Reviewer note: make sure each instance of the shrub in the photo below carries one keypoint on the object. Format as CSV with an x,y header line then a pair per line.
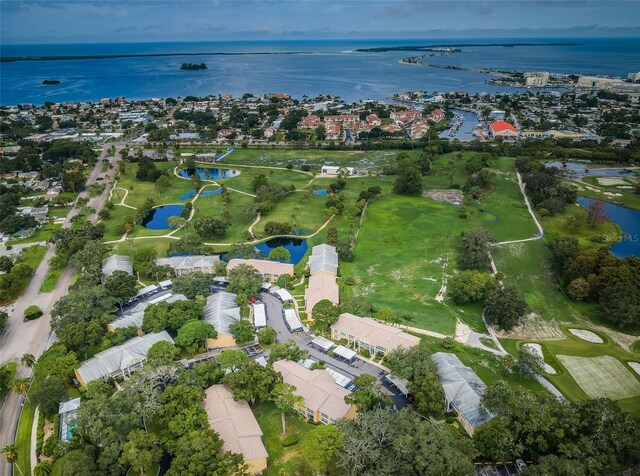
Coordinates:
x,y
290,441
50,446
32,312
448,342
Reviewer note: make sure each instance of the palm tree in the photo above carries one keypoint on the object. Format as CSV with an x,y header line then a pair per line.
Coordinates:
x,y
28,360
11,453
20,386
43,469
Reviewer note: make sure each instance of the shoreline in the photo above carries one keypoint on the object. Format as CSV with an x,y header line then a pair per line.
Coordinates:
x,y
15,59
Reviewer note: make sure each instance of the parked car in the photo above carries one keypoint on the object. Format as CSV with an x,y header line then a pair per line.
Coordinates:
x,y
520,465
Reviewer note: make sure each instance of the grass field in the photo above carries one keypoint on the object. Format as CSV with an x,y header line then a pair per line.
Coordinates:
x,y
281,458
601,377
23,437
50,280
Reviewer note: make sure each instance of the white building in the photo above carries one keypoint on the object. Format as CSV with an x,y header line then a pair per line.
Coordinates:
x,y
536,80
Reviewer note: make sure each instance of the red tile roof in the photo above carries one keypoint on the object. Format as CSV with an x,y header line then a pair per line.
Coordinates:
x,y
500,126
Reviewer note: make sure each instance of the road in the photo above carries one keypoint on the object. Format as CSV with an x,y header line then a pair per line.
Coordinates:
x,y
303,340
21,336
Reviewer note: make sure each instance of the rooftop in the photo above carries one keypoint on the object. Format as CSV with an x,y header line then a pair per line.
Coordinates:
x,y
221,311
234,422
375,333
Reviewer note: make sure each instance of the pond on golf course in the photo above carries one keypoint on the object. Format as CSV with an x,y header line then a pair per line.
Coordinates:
x,y
208,173
157,218
192,193
295,246
580,169
628,220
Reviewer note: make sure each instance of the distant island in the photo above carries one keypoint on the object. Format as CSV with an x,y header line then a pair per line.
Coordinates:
x,y
51,81
193,66
454,48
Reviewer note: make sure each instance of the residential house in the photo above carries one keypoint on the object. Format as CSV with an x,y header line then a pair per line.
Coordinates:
x,y
270,270
374,120
371,335
121,360
336,170
190,264
323,397
237,426
134,317
323,266
221,311
116,263
463,391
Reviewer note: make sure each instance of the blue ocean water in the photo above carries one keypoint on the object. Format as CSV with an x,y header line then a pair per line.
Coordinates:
x,y
328,67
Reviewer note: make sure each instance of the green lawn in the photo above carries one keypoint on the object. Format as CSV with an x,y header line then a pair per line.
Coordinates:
x,y
287,459
23,437
573,346
50,280
590,187
31,256
41,234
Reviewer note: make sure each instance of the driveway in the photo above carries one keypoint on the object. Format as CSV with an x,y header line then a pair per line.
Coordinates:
x,y
22,336
303,340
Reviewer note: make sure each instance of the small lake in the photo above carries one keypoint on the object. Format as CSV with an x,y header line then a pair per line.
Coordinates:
x,y
157,218
583,169
628,220
192,193
207,173
321,191
295,246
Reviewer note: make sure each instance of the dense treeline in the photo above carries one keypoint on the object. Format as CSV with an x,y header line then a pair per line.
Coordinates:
x,y
598,276
548,193
593,437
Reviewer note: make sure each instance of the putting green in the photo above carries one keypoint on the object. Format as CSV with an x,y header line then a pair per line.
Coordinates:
x,y
601,377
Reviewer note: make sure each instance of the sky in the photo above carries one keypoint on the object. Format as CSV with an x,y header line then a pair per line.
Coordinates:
x,y
108,21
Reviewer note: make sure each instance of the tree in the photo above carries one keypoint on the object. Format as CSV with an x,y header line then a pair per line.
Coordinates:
x,y
192,285
121,286
232,359
252,382
43,468
245,281
579,289
597,213
209,227
243,331
382,442
428,394
20,386
28,360
4,317
197,453
142,451
332,236
163,183
504,307
475,248
144,258
267,336
494,441
358,305
320,446
409,180
11,454
48,394
194,334
288,350
171,316
280,254
162,353
369,394
386,314
5,264
286,401
529,362
325,314
470,286
79,463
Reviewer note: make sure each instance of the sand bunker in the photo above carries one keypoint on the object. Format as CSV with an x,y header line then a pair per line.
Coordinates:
x,y
635,366
586,335
536,349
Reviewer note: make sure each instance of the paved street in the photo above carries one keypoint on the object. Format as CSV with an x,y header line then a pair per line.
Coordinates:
x,y
22,336
275,320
